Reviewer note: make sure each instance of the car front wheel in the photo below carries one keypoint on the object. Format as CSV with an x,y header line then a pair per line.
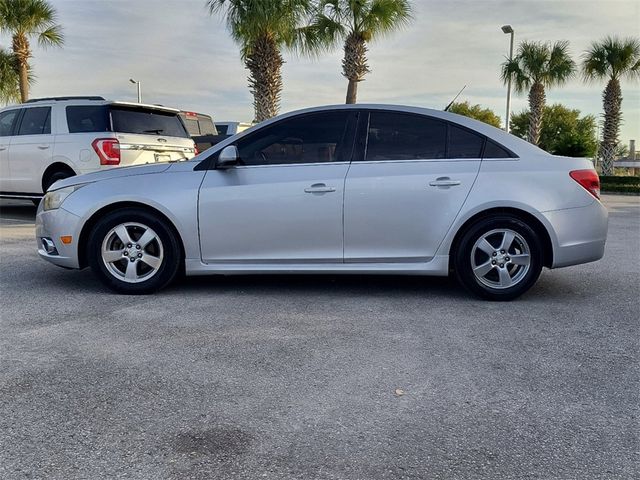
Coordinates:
x,y
133,252
499,258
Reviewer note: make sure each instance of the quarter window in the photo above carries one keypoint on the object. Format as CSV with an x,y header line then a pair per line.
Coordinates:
x,y
397,136
311,138
36,121
7,120
88,118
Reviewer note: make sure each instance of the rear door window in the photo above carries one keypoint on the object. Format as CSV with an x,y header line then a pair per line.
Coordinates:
x,y
147,122
463,143
36,121
7,122
399,136
88,118
493,150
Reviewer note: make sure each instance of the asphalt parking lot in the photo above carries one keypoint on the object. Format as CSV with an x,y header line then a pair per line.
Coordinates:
x,y
319,377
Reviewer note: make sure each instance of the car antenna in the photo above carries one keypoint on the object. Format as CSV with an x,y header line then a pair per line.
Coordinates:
x,y
446,109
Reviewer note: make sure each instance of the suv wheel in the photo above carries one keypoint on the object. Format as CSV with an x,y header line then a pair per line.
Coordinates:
x,y
133,252
499,258
54,177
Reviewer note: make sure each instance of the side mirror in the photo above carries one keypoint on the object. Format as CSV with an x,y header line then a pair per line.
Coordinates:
x,y
228,157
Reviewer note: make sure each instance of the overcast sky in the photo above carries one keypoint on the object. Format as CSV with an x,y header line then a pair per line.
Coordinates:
x,y
186,59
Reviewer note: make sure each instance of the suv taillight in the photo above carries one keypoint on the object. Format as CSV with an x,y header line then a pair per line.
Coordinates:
x,y
588,179
108,149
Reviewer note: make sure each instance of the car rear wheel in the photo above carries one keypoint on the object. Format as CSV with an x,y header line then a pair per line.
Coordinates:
x,y
499,258
133,252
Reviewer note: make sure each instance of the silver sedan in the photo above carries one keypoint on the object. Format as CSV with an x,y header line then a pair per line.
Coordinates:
x,y
367,189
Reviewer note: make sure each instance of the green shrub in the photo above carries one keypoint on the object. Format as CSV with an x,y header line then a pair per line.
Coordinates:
x,y
613,188
619,180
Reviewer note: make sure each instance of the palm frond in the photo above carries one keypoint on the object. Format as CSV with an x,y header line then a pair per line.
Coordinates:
x,y
612,57
385,16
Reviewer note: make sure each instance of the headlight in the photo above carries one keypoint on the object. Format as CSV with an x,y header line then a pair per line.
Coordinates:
x,y
54,199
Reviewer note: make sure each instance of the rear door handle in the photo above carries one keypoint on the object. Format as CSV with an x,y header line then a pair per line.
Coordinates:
x,y
444,182
2,148
43,147
319,188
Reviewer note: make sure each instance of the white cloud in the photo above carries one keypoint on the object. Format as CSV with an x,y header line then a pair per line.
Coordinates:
x,y
186,59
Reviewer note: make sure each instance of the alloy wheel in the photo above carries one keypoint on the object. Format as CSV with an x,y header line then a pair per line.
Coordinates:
x,y
500,258
132,252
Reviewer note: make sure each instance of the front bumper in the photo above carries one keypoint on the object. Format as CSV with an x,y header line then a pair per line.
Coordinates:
x,y
53,224
580,233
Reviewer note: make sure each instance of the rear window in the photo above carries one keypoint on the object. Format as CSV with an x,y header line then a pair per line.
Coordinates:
x,y
88,118
222,129
147,122
207,127
192,126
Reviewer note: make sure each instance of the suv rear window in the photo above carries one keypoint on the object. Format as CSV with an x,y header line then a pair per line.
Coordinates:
x,y
147,122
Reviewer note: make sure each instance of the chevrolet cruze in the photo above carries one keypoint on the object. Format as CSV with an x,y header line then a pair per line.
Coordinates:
x,y
353,189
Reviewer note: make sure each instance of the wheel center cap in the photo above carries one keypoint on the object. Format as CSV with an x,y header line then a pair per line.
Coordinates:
x,y
132,252
500,257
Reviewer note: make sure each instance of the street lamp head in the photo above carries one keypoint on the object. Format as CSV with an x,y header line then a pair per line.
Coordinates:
x,y
507,29
132,80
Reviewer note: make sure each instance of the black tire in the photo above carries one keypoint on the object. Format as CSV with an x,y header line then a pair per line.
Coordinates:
x,y
525,279
54,177
167,244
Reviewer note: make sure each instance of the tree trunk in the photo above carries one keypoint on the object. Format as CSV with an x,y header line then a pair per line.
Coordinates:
x,y
264,62
612,103
352,91
537,100
354,64
23,53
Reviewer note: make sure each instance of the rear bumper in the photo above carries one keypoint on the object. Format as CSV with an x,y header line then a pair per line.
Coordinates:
x,y
52,225
580,233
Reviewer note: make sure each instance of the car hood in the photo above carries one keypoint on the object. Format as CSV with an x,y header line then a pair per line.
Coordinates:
x,y
111,173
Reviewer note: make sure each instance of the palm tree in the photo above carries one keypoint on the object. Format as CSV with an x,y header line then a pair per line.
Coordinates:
x,y
355,23
25,19
9,78
612,59
535,67
262,28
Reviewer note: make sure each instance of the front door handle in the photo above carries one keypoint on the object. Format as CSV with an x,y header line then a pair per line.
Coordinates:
x,y
444,182
43,147
319,188
2,148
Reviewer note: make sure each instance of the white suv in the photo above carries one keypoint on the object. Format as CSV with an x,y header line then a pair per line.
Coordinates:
x,y
45,140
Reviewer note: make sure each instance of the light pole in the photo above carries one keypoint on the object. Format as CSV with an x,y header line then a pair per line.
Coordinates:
x,y
508,29
139,91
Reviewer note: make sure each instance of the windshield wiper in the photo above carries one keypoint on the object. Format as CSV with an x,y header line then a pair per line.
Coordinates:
x,y
157,131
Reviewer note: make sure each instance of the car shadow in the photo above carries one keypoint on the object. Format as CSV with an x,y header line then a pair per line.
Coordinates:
x,y
17,212
326,284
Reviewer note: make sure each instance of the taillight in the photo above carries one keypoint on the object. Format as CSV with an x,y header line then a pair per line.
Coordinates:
x,y
108,150
588,179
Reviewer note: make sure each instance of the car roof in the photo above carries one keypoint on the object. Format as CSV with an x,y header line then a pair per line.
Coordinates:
x,y
81,101
516,144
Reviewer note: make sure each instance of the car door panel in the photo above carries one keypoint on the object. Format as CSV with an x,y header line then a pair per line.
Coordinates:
x,y
393,213
8,120
404,191
31,150
284,204
272,214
